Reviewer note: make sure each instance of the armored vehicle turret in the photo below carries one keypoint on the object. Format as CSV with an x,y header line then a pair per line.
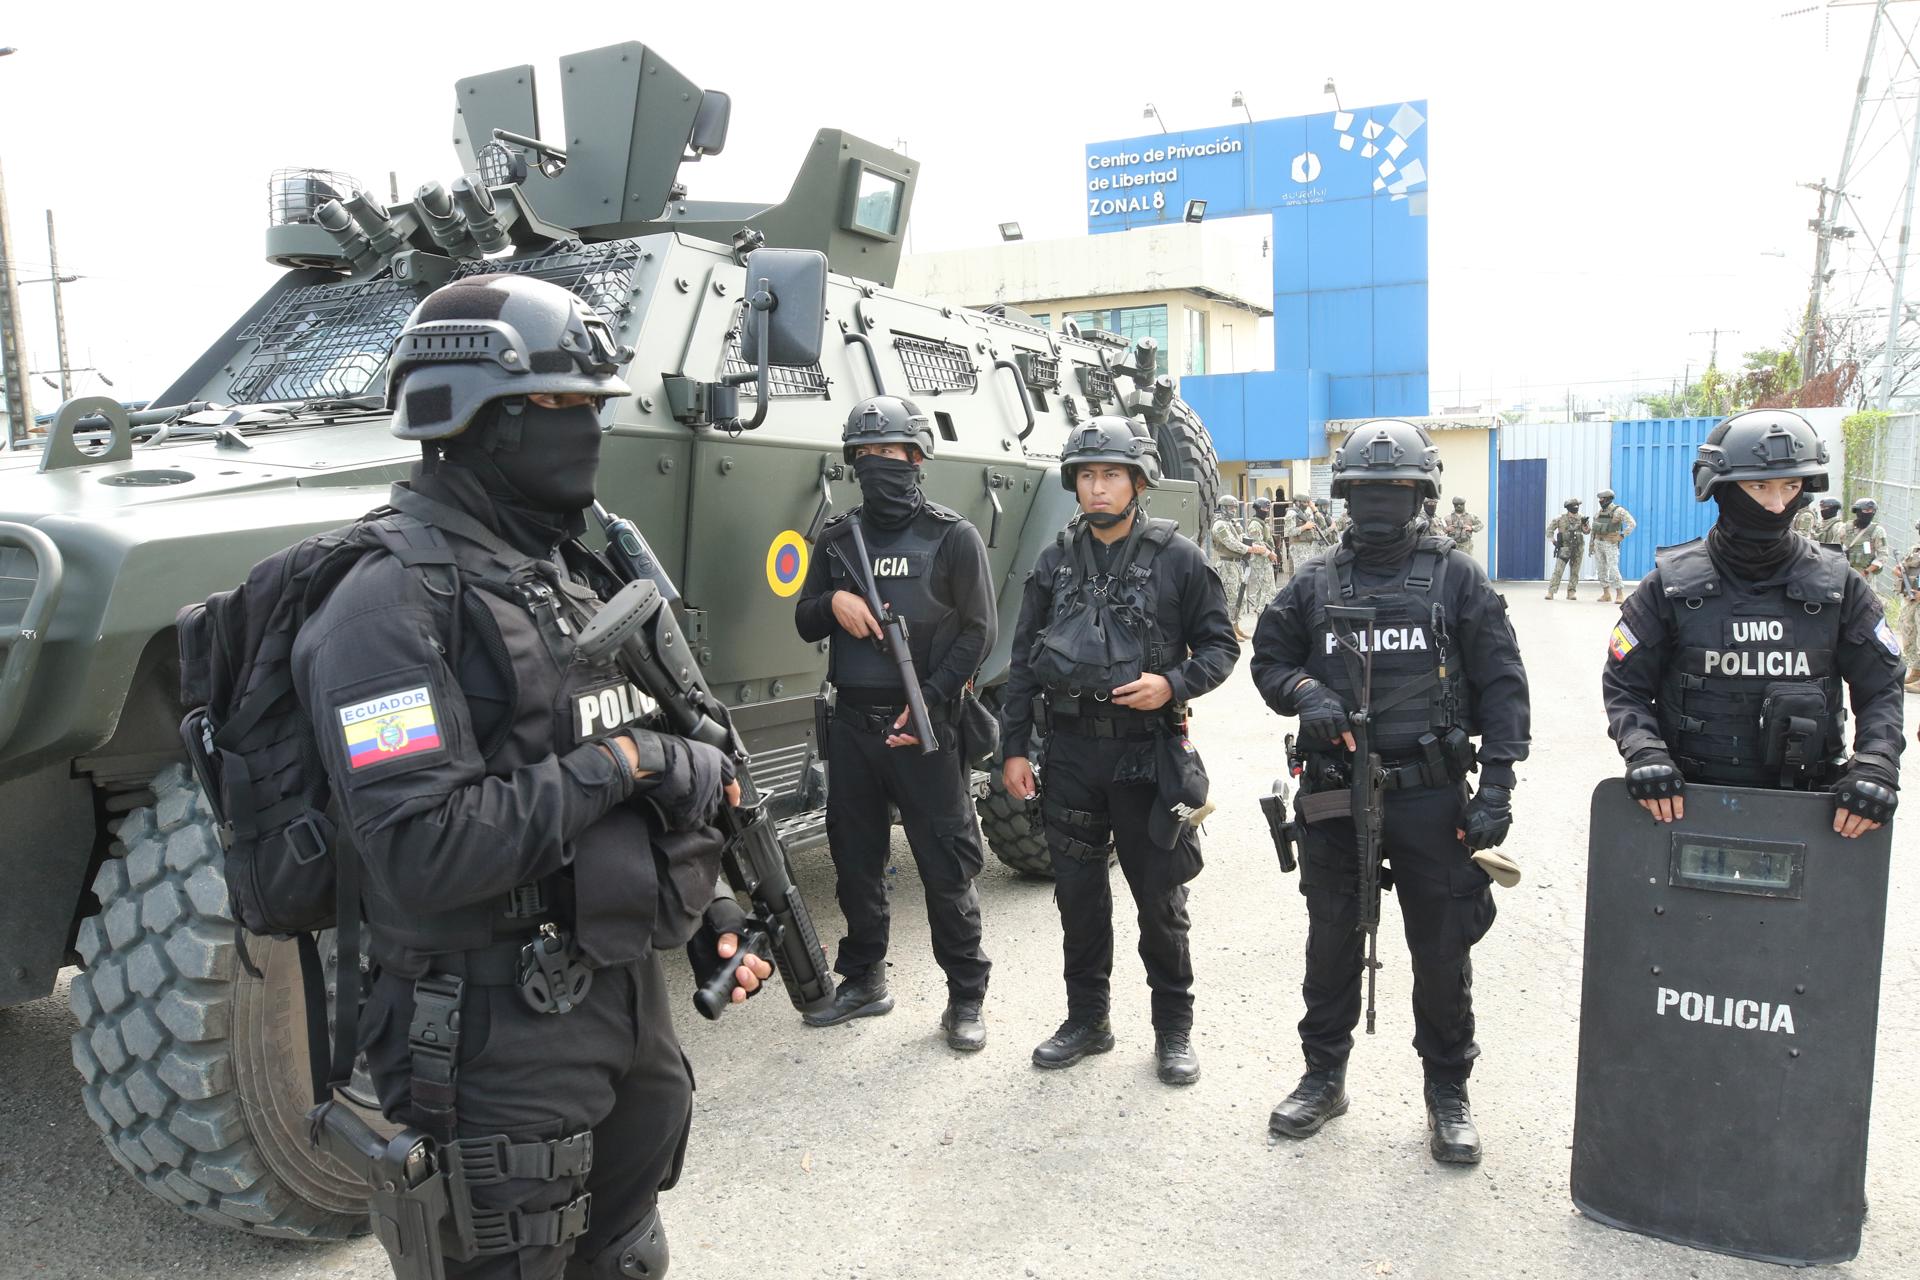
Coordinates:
x,y
192,1055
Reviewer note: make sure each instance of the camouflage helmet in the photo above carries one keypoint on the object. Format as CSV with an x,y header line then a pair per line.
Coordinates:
x,y
1388,449
1605,495
489,337
1226,502
886,420
1760,444
1263,506
1107,438
1459,504
1865,506
1571,504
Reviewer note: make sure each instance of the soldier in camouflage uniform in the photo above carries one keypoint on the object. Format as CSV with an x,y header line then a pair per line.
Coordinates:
x,y
1304,532
1906,585
1461,525
1569,534
1230,548
1610,524
1865,542
1263,564
1807,524
1830,528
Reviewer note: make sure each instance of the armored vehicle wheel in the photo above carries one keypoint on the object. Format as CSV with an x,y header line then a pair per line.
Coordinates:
x,y
1012,828
1186,453
194,1069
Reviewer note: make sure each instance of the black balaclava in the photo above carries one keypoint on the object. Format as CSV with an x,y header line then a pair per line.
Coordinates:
x,y
889,489
1382,532
538,466
1861,519
1750,541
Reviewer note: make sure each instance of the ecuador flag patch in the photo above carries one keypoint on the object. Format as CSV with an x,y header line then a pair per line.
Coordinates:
x,y
1622,641
402,723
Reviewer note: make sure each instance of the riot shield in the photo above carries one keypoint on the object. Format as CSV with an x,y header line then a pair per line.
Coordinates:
x,y
1728,1006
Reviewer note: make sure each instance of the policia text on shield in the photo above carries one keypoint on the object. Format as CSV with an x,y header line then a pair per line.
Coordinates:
x,y
1734,927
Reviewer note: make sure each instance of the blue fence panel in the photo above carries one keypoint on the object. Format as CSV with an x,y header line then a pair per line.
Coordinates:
x,y
1520,550
1653,479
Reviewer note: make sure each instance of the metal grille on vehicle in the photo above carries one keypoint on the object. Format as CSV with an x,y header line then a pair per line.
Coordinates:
x,y
328,340
1042,372
1097,383
933,365
783,380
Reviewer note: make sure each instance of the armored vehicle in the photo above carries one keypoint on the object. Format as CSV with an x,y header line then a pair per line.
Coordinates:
x,y
191,1049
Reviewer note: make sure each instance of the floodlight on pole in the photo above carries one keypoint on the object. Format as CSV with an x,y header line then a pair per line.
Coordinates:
x,y
1240,101
1010,231
1336,94
1196,210
1153,113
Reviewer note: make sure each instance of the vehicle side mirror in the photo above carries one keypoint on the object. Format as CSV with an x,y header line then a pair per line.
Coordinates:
x,y
710,124
793,317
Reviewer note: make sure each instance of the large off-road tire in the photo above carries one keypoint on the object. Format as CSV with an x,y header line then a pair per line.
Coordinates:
x,y
1186,453
194,1069
1012,827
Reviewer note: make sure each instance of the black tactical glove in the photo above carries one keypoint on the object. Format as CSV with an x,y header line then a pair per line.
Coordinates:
x,y
1489,816
723,916
1323,717
1652,775
1866,789
689,778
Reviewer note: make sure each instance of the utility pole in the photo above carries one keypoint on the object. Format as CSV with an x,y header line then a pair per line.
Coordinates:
x,y
59,316
1826,232
1713,355
1900,266
13,364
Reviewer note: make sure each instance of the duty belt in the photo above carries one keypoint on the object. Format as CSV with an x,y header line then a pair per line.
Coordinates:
x,y
1092,717
874,719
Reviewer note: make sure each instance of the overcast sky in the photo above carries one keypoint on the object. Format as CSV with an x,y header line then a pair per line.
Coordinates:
x,y
1606,178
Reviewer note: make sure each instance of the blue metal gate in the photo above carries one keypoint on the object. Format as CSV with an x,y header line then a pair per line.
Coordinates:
x,y
1520,548
1653,478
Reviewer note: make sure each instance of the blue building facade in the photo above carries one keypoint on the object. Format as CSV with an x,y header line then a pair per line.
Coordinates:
x,y
1347,195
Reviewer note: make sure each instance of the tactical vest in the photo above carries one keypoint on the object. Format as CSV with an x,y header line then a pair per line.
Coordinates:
x,y
508,621
902,569
1858,543
1607,520
1102,630
1419,686
1730,652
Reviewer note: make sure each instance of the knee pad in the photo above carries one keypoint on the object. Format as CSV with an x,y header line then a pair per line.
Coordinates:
x,y
640,1253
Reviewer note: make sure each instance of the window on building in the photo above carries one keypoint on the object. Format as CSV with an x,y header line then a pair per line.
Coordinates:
x,y
1042,319
1131,323
1196,361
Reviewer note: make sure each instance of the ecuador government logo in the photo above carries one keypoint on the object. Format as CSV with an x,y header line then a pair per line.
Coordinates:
x,y
787,563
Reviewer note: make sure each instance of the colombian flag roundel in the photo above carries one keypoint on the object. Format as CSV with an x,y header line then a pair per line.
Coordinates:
x,y
787,563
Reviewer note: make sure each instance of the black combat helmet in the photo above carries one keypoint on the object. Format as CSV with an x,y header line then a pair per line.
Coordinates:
x,y
1263,506
1109,439
1459,504
1829,507
488,337
1388,449
887,420
1760,444
1865,506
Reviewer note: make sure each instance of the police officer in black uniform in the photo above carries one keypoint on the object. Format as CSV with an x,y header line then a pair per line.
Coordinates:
x,y
930,566
1730,630
526,848
1446,667
1122,624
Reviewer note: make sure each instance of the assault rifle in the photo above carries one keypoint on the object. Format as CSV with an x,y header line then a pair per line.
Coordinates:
x,y
893,633
1366,779
638,628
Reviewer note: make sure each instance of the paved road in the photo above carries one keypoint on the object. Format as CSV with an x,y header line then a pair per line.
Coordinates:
x,y
871,1151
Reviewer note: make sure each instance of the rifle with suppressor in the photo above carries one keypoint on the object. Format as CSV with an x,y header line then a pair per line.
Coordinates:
x,y
893,633
640,631
1367,790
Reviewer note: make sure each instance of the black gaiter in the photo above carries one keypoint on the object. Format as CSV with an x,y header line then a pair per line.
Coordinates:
x,y
1382,534
1749,541
889,489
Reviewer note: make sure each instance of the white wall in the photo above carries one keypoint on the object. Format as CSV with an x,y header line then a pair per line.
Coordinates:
x,y
1579,459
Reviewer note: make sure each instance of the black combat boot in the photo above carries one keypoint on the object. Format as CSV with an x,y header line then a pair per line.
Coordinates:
x,y
1318,1098
863,997
1173,1053
1454,1140
966,1031
1075,1039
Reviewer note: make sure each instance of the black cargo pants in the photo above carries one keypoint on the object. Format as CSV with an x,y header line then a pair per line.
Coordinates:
x,y
865,777
611,1065
1087,814
1446,905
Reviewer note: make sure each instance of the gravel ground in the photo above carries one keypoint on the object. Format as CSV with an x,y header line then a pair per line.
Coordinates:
x,y
872,1151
